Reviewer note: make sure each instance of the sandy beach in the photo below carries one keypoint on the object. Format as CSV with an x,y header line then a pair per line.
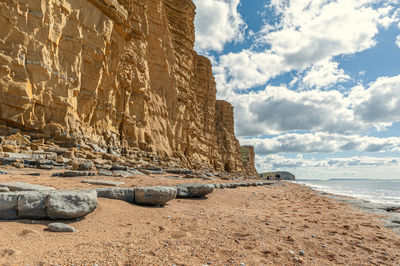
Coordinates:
x,y
271,225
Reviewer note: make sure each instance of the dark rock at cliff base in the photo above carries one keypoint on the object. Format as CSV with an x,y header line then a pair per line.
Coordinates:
x,y
197,190
179,171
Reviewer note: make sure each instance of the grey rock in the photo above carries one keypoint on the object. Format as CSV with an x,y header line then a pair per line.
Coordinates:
x,y
6,161
4,189
195,190
125,194
33,174
32,205
8,205
105,173
154,196
119,168
134,171
71,204
73,174
60,227
2,172
46,167
301,253
103,182
179,171
22,186
86,166
120,173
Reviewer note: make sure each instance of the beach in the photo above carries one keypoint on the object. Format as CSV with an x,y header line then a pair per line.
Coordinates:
x,y
281,224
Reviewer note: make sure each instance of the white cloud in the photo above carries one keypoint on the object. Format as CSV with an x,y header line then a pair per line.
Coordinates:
x,y
324,74
276,110
398,40
321,143
380,103
309,32
217,22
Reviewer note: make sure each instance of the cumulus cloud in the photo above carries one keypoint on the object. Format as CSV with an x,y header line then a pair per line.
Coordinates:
x,y
276,110
380,103
321,143
217,22
324,74
309,32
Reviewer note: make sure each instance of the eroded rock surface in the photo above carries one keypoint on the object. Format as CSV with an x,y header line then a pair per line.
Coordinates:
x,y
118,77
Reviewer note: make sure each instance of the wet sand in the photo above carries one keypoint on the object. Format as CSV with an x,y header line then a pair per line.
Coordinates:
x,y
251,225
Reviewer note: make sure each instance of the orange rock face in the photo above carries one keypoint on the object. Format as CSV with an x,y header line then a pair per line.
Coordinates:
x,y
121,74
248,157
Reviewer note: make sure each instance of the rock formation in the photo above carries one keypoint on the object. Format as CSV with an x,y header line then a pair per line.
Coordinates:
x,y
248,157
118,75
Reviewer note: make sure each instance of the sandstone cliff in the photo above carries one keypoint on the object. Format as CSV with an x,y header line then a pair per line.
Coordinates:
x,y
248,159
119,75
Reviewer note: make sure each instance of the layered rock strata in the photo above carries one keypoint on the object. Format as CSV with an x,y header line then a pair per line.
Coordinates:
x,y
119,75
248,159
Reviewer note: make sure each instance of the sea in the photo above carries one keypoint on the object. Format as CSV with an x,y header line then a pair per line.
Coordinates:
x,y
373,190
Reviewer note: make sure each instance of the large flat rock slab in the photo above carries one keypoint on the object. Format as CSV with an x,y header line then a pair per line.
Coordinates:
x,y
22,186
71,204
125,194
154,196
194,190
103,182
8,205
32,205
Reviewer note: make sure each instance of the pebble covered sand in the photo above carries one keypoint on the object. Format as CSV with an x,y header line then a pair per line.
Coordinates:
x,y
285,224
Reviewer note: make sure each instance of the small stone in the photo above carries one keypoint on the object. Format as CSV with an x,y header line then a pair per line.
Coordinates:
x,y
267,223
291,252
301,253
254,192
3,172
60,227
169,216
242,264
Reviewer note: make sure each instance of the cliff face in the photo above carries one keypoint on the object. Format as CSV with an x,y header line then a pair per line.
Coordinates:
x,y
248,159
120,74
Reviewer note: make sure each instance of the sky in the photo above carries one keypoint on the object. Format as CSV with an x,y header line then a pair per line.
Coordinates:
x,y
315,84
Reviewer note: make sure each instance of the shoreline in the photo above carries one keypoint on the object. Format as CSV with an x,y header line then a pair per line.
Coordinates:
x,y
389,211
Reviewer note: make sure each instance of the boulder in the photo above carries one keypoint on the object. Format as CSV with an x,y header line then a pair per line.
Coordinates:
x,y
86,166
195,190
105,173
154,196
4,189
179,171
125,194
32,205
60,227
22,186
71,204
8,205
116,167
103,182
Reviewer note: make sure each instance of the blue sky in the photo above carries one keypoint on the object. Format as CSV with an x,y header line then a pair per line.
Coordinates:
x,y
315,84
